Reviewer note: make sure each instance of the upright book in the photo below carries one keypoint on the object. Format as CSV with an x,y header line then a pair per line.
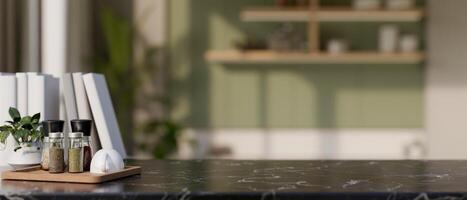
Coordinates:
x,y
7,99
22,93
44,96
103,112
69,97
7,96
83,108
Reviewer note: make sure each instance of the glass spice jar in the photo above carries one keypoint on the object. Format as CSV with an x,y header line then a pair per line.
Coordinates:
x,y
45,153
49,126
84,126
56,153
75,152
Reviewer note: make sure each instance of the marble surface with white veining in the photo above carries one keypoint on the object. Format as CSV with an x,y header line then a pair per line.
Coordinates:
x,y
227,179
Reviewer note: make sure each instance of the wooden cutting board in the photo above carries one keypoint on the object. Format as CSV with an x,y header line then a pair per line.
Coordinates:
x,y
37,174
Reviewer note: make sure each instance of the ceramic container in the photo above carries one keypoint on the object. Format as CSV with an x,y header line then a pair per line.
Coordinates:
x,y
106,161
388,38
26,156
6,150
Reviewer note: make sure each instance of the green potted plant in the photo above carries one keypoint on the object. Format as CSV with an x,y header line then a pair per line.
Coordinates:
x,y
27,134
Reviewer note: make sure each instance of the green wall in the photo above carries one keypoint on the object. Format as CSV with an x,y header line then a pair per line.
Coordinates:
x,y
283,96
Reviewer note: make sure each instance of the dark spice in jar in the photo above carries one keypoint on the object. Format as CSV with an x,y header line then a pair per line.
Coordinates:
x,y
56,160
87,158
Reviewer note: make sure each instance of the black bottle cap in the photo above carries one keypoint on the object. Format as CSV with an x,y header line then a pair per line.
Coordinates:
x,y
52,126
82,125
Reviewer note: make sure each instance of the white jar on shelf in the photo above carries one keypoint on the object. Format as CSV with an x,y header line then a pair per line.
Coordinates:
x,y
400,4
388,38
366,4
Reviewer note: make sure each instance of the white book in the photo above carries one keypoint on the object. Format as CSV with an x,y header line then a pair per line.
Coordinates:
x,y
84,110
32,91
69,97
7,100
7,96
69,102
44,96
22,93
103,112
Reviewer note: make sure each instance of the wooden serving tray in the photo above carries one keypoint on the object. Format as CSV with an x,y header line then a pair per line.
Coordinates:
x,y
37,174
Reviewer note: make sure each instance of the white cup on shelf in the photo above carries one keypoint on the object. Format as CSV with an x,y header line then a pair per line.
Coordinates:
x,y
388,38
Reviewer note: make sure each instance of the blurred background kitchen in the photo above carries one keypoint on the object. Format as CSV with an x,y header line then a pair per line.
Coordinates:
x,y
261,79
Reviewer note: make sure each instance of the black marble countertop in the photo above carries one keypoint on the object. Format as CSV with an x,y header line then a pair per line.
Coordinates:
x,y
226,179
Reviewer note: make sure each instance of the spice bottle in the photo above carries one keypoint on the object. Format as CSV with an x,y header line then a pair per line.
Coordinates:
x,y
45,153
75,152
49,126
56,153
84,126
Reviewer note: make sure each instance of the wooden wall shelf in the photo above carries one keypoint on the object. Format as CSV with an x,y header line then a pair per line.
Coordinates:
x,y
275,15
313,14
330,14
271,57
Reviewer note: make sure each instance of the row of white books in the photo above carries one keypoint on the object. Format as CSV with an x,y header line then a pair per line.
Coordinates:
x,y
17,88
85,96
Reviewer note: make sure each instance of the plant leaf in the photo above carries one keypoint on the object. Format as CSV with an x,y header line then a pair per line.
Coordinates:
x,y
4,136
35,126
22,133
14,114
25,120
7,129
36,118
4,128
27,126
